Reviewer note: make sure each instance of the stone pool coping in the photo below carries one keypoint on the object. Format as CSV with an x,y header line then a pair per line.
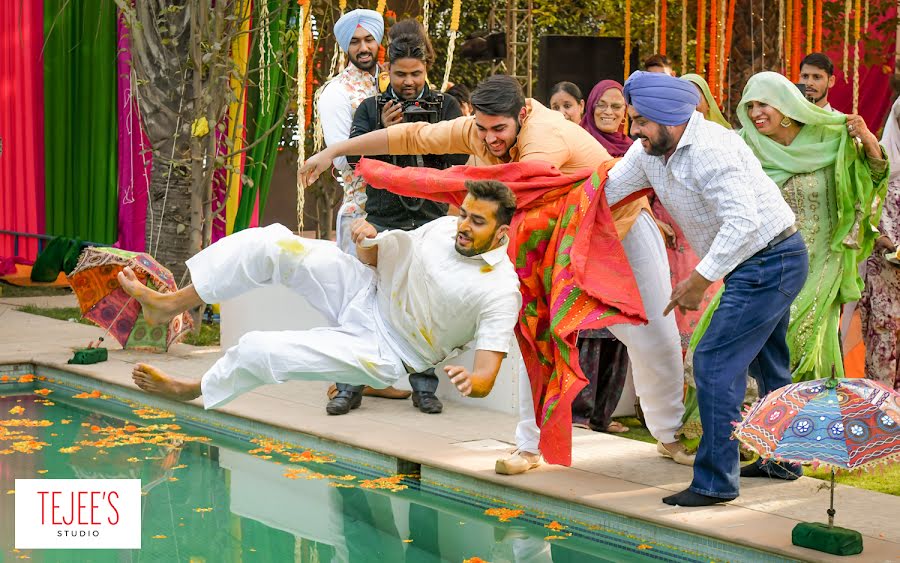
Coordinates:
x,y
609,473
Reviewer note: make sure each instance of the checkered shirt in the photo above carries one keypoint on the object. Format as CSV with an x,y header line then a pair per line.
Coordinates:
x,y
714,188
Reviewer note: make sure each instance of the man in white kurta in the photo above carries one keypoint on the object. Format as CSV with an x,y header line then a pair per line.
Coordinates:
x,y
423,301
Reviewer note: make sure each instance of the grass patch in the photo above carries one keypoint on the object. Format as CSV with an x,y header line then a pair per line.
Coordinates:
x,y
209,332
9,290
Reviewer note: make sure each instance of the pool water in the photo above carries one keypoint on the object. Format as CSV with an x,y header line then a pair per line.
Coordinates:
x,y
226,498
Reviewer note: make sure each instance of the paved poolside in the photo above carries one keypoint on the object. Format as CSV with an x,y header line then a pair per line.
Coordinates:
x,y
608,472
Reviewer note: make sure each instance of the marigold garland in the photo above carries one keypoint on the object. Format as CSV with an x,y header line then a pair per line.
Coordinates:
x,y
301,107
712,76
663,14
856,39
810,19
847,7
796,41
627,39
451,47
684,9
818,27
701,35
788,45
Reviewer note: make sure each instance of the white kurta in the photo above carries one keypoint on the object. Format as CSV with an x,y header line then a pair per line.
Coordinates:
x,y
364,345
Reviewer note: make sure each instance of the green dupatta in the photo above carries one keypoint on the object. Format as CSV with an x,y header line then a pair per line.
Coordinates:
x,y
823,141
715,114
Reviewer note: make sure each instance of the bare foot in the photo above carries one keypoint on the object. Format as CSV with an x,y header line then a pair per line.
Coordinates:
x,y
152,302
153,381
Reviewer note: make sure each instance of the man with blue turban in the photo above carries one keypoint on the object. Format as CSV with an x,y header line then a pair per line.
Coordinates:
x,y
358,33
734,216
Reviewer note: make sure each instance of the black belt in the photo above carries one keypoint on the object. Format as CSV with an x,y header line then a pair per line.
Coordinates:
x,y
781,237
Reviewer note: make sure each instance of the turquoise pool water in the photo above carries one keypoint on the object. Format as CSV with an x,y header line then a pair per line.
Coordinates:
x,y
224,495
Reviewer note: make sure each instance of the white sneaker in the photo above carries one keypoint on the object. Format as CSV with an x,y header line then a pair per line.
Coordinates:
x,y
518,462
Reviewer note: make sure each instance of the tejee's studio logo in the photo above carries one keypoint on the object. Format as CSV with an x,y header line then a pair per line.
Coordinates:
x,y
78,513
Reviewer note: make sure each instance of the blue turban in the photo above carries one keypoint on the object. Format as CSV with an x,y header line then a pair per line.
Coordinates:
x,y
370,20
661,98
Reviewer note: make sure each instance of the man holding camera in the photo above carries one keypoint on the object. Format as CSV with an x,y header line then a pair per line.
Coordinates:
x,y
407,99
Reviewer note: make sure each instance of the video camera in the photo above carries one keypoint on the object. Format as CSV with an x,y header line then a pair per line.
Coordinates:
x,y
425,109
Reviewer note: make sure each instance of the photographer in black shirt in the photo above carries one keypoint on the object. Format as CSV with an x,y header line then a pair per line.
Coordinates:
x,y
408,98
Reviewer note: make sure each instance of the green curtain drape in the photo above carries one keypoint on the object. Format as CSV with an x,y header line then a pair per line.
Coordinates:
x,y
261,116
81,150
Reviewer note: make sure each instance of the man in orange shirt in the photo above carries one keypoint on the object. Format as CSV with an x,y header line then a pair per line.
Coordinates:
x,y
505,128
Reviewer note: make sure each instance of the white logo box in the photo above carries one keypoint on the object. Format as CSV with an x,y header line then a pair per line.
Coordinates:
x,y
78,514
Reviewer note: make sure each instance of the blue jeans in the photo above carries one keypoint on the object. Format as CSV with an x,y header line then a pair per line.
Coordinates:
x,y
748,327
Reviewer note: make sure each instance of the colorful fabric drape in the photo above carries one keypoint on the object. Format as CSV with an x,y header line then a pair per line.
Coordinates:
x,y
573,271
81,153
266,108
21,125
135,158
237,115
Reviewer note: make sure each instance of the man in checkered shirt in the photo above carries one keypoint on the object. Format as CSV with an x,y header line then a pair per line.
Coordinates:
x,y
733,215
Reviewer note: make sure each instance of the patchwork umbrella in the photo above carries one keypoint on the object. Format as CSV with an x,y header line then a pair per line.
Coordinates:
x,y
104,302
840,423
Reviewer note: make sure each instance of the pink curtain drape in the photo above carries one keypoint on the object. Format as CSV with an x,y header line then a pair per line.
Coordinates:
x,y
134,155
21,124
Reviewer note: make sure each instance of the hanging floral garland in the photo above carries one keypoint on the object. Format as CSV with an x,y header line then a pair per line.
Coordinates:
x,y
712,74
426,15
301,103
720,38
663,14
265,55
701,35
382,4
818,26
847,7
796,40
684,10
729,28
788,46
454,30
656,26
810,22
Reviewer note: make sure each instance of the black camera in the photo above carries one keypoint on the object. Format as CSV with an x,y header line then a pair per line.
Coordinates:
x,y
427,110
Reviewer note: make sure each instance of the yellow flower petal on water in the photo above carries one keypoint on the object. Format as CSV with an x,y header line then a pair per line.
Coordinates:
x,y
11,492
407,541
504,514
43,392
65,421
160,537
42,471
173,479
132,460
209,509
69,450
555,526
182,466
16,410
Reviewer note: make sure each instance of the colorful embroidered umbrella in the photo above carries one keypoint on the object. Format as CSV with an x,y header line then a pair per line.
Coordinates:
x,y
104,302
840,423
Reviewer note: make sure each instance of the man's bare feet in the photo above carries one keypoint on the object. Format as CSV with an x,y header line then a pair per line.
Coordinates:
x,y
154,304
153,381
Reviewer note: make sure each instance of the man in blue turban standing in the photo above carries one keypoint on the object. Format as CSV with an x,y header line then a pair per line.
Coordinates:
x,y
358,33
734,216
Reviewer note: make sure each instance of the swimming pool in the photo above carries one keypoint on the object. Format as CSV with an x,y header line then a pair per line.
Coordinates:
x,y
218,488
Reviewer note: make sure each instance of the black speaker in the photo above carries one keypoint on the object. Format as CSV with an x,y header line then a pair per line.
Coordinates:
x,y
582,59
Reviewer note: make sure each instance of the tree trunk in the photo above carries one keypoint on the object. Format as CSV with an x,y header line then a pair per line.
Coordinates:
x,y
754,48
168,233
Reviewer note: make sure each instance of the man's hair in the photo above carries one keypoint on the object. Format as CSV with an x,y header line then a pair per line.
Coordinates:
x,y
492,190
819,60
404,28
461,93
657,60
569,88
407,46
500,94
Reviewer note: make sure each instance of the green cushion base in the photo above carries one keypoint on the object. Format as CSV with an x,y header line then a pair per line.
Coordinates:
x,y
834,540
86,356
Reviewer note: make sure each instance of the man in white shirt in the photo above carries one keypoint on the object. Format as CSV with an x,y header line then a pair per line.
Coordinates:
x,y
733,216
817,74
358,33
410,300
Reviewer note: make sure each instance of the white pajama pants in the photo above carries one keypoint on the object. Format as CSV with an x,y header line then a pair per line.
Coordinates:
x,y
654,349
353,350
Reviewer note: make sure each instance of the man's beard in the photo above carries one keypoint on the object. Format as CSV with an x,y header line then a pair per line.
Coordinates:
x,y
364,66
514,143
661,146
475,250
816,100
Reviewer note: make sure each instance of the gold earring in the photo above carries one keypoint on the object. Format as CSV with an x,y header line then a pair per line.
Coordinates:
x,y
786,122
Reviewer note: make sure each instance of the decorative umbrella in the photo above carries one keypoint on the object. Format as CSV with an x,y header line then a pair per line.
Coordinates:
x,y
104,302
839,423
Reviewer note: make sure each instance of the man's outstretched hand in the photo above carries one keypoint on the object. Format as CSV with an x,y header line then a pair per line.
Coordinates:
x,y
688,294
313,168
460,377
